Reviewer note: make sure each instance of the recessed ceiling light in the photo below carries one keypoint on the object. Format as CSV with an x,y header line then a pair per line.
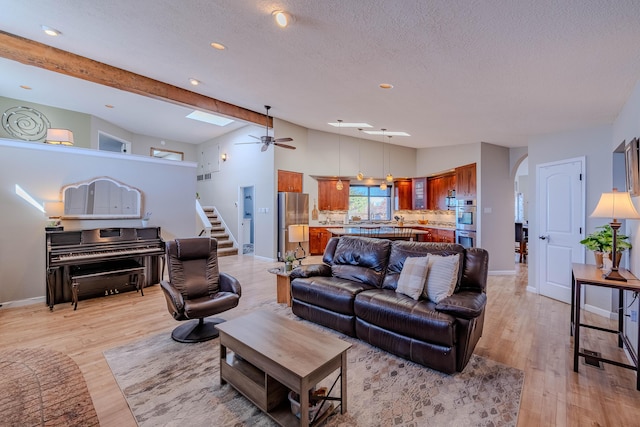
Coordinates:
x,y
25,87
351,125
386,86
194,82
282,18
388,133
209,118
50,31
218,46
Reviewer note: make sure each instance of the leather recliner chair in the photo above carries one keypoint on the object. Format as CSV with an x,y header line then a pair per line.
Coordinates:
x,y
196,289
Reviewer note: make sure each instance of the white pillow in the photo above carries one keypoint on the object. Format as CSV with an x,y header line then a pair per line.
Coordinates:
x,y
442,277
412,276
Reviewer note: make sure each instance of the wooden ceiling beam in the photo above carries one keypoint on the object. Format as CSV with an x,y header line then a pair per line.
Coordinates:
x,y
36,54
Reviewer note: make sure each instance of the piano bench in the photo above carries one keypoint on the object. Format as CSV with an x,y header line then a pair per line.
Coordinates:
x,y
89,272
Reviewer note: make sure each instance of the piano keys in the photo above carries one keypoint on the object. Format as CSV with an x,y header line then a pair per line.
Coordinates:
x,y
134,252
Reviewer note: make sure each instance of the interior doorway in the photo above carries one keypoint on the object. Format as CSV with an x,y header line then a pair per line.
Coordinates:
x,y
521,210
246,220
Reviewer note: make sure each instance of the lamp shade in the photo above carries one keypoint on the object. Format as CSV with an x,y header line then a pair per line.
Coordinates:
x,y
299,233
616,205
59,136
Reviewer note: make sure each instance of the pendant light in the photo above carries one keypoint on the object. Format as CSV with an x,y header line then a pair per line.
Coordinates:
x,y
360,175
383,186
389,176
339,185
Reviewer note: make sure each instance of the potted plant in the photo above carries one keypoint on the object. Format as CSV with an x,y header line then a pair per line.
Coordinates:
x,y
601,242
289,258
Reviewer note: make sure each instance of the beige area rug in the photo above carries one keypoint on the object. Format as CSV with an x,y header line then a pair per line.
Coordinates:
x,y
40,387
171,384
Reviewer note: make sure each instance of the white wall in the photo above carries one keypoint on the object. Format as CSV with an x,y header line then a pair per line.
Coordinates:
x,y
627,127
42,170
595,145
246,166
438,159
496,207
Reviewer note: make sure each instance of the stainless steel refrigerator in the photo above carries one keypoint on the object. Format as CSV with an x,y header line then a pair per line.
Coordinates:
x,y
293,208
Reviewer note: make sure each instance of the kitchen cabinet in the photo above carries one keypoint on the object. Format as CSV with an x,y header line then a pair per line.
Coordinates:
x,y
419,189
403,197
466,181
436,235
289,181
438,188
318,238
330,199
446,236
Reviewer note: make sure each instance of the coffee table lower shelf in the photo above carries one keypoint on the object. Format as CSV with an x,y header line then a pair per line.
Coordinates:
x,y
263,390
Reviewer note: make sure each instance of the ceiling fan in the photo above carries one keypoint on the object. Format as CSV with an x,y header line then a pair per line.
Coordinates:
x,y
268,140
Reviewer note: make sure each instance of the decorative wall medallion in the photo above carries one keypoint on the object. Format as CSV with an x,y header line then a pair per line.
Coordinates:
x,y
25,123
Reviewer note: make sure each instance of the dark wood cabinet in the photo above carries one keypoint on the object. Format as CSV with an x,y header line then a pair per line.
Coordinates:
x,y
436,235
438,188
466,181
403,195
289,181
331,199
447,236
318,238
419,189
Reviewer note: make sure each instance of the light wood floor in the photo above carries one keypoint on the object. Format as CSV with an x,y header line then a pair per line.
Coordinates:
x,y
521,329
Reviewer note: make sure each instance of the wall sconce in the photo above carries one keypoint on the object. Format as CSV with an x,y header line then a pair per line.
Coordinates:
x,y
223,156
59,137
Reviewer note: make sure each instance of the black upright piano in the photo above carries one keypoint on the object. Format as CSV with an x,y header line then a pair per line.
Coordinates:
x,y
106,259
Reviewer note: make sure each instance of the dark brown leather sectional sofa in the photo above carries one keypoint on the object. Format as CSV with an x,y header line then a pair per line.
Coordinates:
x,y
354,293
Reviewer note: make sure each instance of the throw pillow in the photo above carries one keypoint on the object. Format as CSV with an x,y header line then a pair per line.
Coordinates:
x,y
442,278
412,276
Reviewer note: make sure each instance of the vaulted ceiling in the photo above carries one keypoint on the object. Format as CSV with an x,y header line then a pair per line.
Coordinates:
x,y
462,71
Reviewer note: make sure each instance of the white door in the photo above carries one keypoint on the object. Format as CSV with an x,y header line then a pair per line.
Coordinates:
x,y
560,228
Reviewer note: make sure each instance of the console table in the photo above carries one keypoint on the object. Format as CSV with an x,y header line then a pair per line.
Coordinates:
x,y
586,274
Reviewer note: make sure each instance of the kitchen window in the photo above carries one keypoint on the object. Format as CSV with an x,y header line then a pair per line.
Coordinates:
x,y
370,203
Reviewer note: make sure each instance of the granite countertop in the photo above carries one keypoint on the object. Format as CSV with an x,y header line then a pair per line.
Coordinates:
x,y
390,225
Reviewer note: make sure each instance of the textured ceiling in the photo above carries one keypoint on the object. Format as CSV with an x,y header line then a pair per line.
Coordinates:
x,y
463,71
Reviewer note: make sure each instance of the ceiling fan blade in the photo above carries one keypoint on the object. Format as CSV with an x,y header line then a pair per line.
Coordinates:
x,y
290,147
264,147
256,137
283,139
251,142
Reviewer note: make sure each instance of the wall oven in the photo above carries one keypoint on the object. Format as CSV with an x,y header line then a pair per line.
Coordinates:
x,y
466,238
466,215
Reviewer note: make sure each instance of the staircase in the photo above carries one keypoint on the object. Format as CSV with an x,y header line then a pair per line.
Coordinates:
x,y
225,244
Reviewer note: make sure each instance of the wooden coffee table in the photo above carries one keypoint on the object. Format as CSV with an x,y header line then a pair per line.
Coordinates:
x,y
264,355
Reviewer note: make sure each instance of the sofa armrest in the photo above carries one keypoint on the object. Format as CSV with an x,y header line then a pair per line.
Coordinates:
x,y
229,283
173,295
466,304
310,271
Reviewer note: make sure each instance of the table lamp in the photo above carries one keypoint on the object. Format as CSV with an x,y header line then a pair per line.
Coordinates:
x,y
616,205
299,233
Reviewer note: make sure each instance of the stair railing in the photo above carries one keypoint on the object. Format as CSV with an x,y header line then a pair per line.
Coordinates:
x,y
203,220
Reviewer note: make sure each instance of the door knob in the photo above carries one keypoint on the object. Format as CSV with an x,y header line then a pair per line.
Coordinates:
x,y
543,237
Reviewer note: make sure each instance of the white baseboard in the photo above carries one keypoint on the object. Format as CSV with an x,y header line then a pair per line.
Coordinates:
x,y
532,289
23,302
600,312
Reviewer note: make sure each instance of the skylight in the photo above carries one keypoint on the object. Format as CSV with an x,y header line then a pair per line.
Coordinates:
x,y
209,118
351,125
388,133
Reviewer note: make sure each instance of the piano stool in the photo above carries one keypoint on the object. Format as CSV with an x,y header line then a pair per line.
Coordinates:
x,y
89,272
